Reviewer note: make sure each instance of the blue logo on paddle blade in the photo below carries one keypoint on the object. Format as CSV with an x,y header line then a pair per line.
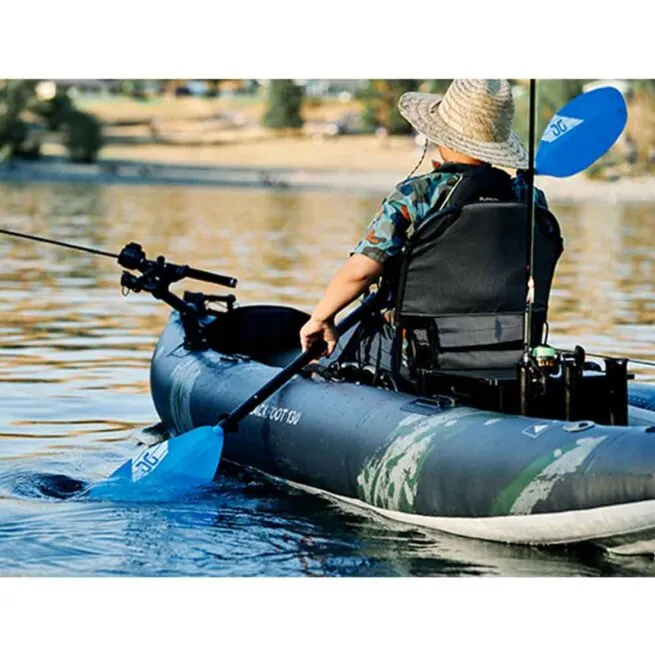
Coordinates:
x,y
558,126
148,460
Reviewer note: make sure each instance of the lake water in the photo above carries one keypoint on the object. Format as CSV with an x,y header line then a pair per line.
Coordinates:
x,y
74,358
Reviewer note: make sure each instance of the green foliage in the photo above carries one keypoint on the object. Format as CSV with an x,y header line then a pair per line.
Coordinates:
x,y
551,96
380,99
554,94
16,95
82,134
54,111
13,133
438,86
643,85
284,103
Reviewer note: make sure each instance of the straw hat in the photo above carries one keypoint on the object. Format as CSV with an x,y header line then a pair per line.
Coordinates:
x,y
474,117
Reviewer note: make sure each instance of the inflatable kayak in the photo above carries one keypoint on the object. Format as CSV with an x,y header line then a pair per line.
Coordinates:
x,y
433,461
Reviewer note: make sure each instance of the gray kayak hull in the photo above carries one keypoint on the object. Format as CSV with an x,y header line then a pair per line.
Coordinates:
x,y
454,468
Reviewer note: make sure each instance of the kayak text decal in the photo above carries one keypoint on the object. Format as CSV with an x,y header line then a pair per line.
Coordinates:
x,y
278,414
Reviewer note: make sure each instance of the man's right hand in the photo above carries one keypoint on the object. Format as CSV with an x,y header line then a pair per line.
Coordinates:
x,y
316,330
348,283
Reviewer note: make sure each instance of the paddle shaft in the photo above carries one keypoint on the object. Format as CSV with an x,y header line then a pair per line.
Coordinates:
x,y
233,418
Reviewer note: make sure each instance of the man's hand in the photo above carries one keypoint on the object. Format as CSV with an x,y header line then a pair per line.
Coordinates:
x,y
316,330
348,283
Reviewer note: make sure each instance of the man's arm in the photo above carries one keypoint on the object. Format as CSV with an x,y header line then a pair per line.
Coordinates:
x,y
384,239
348,283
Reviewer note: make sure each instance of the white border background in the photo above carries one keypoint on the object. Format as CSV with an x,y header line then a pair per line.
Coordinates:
x,y
338,39
300,40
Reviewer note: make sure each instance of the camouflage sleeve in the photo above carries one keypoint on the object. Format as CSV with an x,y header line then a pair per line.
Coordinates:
x,y
385,234
521,191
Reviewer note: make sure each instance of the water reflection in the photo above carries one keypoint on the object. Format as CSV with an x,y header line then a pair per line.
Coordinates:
x,y
74,358
604,294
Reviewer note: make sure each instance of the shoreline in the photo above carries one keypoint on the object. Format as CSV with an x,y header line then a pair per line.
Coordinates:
x,y
151,171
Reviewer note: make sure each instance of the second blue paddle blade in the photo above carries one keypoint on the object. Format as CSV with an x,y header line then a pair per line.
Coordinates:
x,y
166,470
581,132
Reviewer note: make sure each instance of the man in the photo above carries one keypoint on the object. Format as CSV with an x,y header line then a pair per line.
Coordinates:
x,y
471,126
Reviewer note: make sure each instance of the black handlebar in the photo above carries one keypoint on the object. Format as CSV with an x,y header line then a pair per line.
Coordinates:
x,y
214,278
133,258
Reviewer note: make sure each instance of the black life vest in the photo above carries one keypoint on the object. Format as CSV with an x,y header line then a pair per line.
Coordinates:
x,y
462,279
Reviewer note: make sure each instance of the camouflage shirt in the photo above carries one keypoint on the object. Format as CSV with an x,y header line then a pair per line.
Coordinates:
x,y
410,203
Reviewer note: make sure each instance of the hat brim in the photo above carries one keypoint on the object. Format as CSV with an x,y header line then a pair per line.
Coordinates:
x,y
420,110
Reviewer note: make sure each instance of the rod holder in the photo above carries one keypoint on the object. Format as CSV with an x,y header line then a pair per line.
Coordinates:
x,y
616,371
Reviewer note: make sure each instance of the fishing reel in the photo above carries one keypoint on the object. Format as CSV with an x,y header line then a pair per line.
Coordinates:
x,y
536,368
546,359
545,362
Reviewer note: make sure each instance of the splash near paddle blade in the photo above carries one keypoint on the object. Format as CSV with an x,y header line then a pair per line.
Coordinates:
x,y
581,132
166,470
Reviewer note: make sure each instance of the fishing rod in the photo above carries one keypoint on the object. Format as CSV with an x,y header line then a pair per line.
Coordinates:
x,y
524,367
133,257
642,362
63,244
529,300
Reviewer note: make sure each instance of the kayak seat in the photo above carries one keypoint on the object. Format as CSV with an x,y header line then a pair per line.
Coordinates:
x,y
266,333
462,286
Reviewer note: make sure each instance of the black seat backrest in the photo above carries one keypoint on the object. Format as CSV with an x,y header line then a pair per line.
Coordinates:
x,y
463,283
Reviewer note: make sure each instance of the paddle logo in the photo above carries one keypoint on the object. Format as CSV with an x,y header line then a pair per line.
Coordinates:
x,y
148,460
558,126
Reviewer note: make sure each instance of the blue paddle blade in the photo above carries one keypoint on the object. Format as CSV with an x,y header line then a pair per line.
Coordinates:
x,y
581,132
165,470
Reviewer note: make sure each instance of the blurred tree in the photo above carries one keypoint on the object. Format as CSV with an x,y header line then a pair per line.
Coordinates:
x,y
551,96
15,96
284,103
53,111
554,94
380,99
640,130
437,86
82,134
13,133
213,88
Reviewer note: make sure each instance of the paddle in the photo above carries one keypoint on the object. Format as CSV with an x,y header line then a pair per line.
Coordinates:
x,y
581,132
189,460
